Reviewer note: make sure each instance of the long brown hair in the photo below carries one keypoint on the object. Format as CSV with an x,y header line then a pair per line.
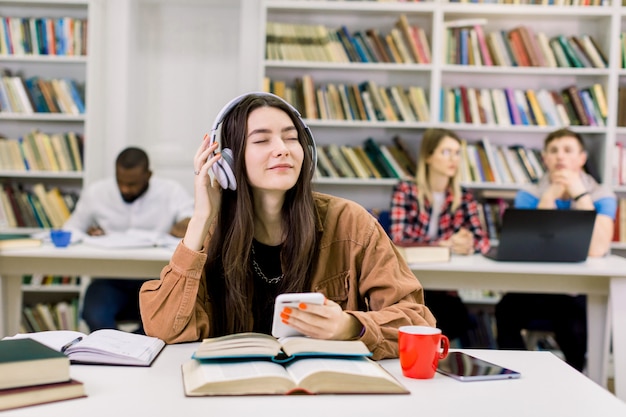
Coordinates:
x,y
431,139
228,268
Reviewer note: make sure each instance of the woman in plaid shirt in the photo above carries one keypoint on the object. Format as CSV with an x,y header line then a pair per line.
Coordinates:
x,y
435,209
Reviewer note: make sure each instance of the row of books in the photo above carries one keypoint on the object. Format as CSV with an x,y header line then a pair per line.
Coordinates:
x,y
490,214
571,106
403,43
38,151
480,162
62,315
41,280
371,160
365,101
38,95
36,207
468,44
484,162
43,36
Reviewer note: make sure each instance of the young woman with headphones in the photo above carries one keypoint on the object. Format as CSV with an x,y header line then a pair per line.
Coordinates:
x,y
258,230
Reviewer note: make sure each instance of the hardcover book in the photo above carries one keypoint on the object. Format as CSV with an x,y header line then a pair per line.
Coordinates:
x,y
28,362
40,394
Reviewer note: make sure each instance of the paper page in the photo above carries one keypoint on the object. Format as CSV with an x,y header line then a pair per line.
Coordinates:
x,y
300,369
132,238
118,344
230,371
55,339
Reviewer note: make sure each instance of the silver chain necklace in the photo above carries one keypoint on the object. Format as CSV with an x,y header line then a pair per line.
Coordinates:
x,y
260,273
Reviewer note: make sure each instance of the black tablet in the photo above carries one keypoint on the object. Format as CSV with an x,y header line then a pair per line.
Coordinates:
x,y
464,367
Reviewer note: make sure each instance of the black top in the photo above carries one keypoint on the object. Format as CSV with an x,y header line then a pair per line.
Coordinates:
x,y
268,260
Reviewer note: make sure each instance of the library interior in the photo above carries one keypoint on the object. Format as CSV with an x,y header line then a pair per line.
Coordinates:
x,y
435,116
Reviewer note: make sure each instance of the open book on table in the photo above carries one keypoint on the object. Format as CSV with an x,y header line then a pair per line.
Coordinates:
x,y
313,375
101,347
259,345
132,238
254,364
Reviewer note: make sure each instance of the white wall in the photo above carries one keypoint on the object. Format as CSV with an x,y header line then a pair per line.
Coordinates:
x,y
170,67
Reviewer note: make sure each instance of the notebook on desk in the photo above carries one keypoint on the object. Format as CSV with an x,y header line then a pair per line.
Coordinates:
x,y
544,236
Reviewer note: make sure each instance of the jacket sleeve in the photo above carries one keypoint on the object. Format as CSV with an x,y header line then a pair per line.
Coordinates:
x,y
394,295
175,308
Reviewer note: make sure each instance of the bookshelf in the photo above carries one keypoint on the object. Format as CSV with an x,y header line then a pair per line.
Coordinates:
x,y
52,133
74,30
603,23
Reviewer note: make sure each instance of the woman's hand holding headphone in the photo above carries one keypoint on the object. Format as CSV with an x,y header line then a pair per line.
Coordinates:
x,y
207,195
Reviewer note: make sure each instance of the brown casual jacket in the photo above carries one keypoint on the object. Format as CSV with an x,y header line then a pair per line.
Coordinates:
x,y
360,269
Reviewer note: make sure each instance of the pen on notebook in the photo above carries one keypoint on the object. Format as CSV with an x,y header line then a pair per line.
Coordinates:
x,y
70,344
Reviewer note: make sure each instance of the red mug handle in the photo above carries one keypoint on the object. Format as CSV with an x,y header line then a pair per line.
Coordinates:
x,y
445,345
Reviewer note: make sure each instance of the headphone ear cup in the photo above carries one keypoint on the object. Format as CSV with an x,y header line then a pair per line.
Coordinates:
x,y
224,170
220,174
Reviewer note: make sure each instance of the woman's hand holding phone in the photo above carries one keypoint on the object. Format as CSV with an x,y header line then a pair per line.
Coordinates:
x,y
311,314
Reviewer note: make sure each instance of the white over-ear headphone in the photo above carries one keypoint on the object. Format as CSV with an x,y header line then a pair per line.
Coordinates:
x,y
224,168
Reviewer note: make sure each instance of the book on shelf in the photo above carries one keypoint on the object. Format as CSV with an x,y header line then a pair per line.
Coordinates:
x,y
519,51
259,364
523,109
599,99
357,167
325,165
401,46
486,163
365,160
101,347
414,252
378,42
405,29
571,55
375,154
25,362
591,44
535,108
12,398
578,49
546,51
338,161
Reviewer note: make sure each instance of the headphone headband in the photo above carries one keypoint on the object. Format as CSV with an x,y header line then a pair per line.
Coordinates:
x,y
224,169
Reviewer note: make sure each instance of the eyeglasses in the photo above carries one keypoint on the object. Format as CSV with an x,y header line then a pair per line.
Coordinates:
x,y
449,153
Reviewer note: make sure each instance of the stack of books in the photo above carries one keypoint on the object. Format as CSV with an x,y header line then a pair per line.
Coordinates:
x,y
32,373
259,364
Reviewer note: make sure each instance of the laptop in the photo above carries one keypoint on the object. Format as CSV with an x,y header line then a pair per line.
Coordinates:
x,y
530,235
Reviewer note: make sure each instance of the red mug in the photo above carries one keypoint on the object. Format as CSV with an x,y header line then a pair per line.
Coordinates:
x,y
420,349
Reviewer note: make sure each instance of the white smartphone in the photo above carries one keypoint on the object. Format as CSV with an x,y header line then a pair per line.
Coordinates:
x,y
280,329
464,367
